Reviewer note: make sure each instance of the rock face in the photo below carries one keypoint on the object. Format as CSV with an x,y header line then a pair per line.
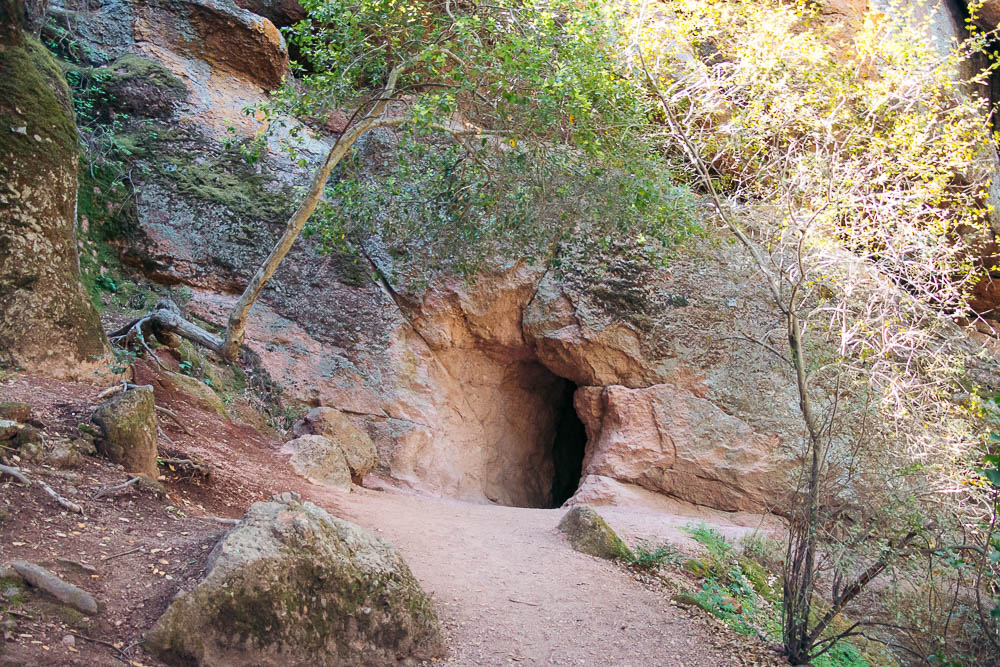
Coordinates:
x,y
128,425
292,585
666,438
47,323
319,460
358,449
588,533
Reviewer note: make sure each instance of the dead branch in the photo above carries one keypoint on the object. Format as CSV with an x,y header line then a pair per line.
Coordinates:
x,y
189,466
123,553
20,476
123,387
103,491
173,416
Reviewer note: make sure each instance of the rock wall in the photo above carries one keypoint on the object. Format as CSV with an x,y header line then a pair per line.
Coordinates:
x,y
461,384
47,323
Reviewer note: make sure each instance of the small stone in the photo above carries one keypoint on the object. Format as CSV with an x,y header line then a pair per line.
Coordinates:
x,y
69,640
20,130
38,138
589,533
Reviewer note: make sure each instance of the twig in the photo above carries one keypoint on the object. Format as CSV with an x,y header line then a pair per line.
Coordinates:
x,y
122,655
123,553
220,519
166,437
19,476
66,504
108,489
530,604
19,614
123,387
177,420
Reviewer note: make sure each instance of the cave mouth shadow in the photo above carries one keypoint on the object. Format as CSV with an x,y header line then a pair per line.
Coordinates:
x,y
568,448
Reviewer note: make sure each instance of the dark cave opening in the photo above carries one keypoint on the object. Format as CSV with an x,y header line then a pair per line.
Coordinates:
x,y
568,449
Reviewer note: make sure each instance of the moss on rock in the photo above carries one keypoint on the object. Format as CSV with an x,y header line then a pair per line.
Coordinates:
x,y
47,324
293,585
590,534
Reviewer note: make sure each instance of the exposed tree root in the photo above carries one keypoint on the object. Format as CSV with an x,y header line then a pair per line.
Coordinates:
x,y
164,323
20,476
103,491
173,416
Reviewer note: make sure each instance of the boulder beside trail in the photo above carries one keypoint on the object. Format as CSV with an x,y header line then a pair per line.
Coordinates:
x,y
292,585
128,425
590,534
358,447
319,460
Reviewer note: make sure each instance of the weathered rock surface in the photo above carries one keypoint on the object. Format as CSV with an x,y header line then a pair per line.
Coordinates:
x,y
319,460
47,324
196,391
292,585
358,448
588,533
666,438
61,590
128,425
18,411
279,12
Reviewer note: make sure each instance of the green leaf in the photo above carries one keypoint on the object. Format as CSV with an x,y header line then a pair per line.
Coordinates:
x,y
996,612
993,474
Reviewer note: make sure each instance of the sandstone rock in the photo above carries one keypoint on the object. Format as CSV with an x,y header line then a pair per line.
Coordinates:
x,y
357,446
590,534
197,391
279,12
63,455
18,411
47,324
292,585
319,460
128,423
63,591
666,439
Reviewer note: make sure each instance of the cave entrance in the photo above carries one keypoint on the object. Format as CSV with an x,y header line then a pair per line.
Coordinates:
x,y
568,448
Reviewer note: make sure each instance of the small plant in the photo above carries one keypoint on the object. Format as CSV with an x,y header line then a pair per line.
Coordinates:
x,y
719,549
106,283
649,557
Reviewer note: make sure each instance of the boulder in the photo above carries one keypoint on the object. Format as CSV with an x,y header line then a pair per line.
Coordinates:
x,y
279,12
48,325
18,411
588,533
667,439
357,446
292,585
319,460
197,392
129,430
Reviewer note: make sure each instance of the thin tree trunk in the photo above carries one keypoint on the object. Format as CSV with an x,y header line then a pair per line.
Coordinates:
x,y
236,328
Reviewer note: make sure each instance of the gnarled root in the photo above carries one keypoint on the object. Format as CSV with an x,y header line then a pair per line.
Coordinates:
x,y
165,323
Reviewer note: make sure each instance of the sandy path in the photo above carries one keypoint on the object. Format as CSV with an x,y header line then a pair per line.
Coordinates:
x,y
511,591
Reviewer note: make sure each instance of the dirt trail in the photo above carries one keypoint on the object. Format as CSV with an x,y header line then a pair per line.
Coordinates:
x,y
511,591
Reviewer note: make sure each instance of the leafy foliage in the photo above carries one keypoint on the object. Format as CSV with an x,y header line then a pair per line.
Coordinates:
x,y
519,130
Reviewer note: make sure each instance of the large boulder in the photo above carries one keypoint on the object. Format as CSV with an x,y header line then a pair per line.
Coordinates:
x,y
334,425
292,585
667,439
47,323
319,460
129,430
589,533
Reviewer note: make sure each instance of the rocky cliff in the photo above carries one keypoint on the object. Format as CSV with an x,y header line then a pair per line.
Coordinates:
x,y
505,388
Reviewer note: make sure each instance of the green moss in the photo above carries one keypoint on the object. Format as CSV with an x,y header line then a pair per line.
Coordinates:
x,y
33,99
589,533
758,577
229,181
131,66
